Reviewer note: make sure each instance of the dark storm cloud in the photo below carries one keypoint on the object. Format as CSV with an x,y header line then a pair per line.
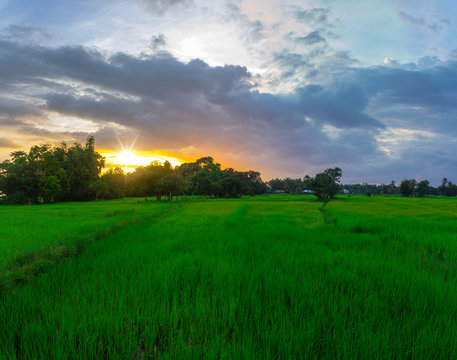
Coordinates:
x,y
217,110
317,65
342,106
107,108
433,88
420,21
156,77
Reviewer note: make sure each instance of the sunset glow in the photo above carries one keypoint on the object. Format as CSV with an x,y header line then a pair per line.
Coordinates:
x,y
129,160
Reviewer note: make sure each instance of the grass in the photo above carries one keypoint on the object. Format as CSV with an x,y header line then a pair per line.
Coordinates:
x,y
34,238
261,278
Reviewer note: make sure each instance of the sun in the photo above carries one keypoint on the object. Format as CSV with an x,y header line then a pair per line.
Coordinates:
x,y
127,158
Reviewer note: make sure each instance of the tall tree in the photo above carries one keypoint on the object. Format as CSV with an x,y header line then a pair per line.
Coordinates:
x,y
408,187
326,185
423,188
83,166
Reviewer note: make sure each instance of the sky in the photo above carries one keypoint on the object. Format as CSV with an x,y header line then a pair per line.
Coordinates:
x,y
283,87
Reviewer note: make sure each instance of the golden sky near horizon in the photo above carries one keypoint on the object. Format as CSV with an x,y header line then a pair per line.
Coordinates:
x,y
128,160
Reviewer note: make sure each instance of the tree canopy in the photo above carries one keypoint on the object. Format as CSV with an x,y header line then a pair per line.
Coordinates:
x,y
49,174
326,185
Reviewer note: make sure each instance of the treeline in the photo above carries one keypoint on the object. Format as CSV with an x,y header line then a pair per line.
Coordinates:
x,y
324,185
74,173
202,177
407,187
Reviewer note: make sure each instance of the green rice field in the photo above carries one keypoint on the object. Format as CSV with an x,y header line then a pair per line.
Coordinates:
x,y
267,277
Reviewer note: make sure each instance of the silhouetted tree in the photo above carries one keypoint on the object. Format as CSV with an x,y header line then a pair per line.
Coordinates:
x,y
326,185
392,188
447,188
423,188
408,187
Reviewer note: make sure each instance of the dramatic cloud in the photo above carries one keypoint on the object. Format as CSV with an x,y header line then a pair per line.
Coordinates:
x,y
279,88
177,105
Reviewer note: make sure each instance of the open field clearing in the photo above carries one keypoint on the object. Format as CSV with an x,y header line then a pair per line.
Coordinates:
x,y
32,238
267,277
27,229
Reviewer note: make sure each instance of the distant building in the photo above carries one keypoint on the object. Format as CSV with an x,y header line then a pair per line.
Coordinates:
x,y
278,191
345,191
308,192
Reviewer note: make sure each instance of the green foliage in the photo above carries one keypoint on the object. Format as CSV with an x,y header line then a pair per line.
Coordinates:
x,y
208,180
276,184
408,187
51,174
115,181
155,180
100,188
48,174
290,186
205,177
373,189
326,185
447,188
423,188
294,186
